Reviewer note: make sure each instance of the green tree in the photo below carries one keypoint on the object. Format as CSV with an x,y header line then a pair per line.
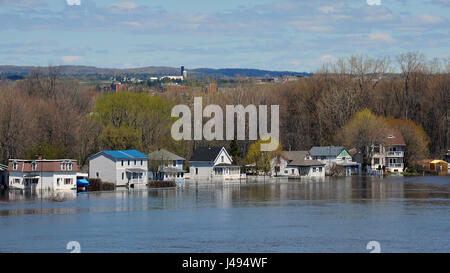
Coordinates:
x,y
262,159
134,120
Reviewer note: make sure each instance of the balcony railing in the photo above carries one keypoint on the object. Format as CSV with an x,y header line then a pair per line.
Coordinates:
x,y
395,165
395,153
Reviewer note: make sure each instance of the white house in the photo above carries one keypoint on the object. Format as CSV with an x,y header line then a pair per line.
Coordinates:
x,y
42,174
389,152
335,156
297,164
213,163
123,168
164,165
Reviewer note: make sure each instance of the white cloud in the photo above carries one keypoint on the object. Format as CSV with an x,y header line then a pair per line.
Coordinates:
x,y
326,9
381,37
430,19
327,59
71,59
124,5
73,2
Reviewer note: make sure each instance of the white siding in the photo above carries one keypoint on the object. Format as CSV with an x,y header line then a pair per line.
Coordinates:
x,y
105,167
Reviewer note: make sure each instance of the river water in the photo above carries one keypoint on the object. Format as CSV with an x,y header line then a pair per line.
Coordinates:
x,y
334,215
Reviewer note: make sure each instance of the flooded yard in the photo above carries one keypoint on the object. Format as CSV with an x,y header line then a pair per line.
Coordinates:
x,y
333,215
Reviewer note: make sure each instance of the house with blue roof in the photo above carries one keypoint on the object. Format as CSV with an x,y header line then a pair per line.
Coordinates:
x,y
123,168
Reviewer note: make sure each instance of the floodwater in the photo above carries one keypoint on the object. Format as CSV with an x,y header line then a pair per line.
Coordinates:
x,y
334,215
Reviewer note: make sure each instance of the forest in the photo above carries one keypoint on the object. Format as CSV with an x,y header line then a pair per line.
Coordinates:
x,y
61,118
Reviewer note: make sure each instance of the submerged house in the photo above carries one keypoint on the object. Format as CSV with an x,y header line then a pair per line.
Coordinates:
x,y
164,165
389,152
335,156
297,164
58,174
123,168
213,163
3,175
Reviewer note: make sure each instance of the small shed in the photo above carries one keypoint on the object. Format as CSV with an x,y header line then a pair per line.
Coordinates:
x,y
440,166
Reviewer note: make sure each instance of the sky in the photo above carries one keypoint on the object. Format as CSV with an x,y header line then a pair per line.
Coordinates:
x,y
264,34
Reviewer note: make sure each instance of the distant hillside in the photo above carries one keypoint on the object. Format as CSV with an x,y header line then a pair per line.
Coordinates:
x,y
151,70
243,72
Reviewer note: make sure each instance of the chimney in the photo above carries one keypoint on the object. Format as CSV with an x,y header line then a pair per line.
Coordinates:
x,y
40,156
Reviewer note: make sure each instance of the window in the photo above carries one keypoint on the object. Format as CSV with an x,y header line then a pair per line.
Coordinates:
x,y
314,170
196,171
286,171
320,169
17,181
67,181
57,181
376,161
69,166
121,163
33,166
123,175
135,163
15,165
222,159
97,174
293,171
142,162
63,166
174,163
128,162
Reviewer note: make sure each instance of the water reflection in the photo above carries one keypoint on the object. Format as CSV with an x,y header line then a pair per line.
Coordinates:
x,y
351,190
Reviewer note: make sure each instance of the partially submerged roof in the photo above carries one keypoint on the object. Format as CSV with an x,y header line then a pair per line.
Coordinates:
x,y
3,167
394,137
298,158
206,154
326,150
164,155
123,154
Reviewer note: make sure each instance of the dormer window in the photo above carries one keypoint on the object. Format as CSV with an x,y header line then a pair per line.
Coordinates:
x,y
63,166
69,166
222,159
33,166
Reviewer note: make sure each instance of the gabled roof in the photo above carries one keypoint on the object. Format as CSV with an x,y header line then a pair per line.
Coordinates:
x,y
206,154
3,167
297,158
326,150
123,154
164,155
394,137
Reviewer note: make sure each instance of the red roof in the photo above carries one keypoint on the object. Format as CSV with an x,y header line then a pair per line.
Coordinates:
x,y
394,137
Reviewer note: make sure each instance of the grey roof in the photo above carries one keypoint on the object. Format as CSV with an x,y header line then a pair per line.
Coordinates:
x,y
172,170
164,154
297,158
205,154
3,167
326,150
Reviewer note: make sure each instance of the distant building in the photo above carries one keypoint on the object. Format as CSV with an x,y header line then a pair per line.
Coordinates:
x,y
213,163
164,165
123,168
389,152
58,174
335,156
297,164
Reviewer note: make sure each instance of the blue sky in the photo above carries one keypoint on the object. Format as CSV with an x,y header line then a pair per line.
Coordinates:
x,y
265,34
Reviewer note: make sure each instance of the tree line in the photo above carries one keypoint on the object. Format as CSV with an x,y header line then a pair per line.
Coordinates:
x,y
62,118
